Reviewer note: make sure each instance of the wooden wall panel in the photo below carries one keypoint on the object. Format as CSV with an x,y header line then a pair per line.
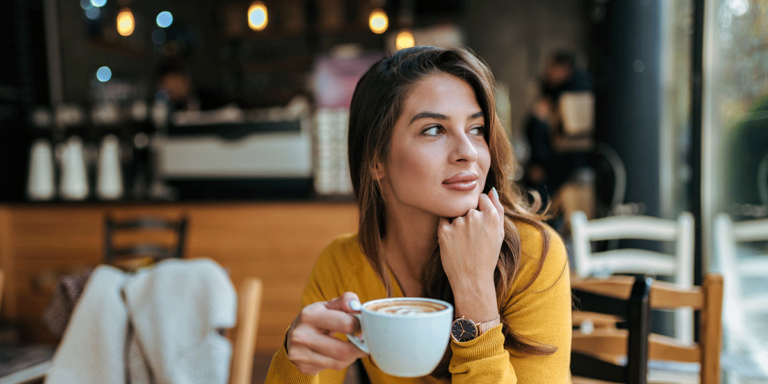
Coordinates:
x,y
7,263
278,242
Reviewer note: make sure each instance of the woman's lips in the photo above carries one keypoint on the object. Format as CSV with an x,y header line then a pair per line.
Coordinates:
x,y
464,181
461,186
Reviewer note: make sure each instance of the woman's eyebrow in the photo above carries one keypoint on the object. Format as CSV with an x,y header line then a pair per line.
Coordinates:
x,y
428,115
476,115
440,116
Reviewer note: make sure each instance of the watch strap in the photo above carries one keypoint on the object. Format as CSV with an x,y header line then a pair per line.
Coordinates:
x,y
485,326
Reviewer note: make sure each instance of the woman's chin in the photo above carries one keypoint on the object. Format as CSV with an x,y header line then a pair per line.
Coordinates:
x,y
460,208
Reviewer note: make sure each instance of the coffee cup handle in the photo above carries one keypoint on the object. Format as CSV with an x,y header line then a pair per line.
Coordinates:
x,y
358,342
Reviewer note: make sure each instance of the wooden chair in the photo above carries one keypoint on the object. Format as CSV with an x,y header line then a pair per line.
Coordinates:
x,y
590,359
243,335
637,261
147,245
610,345
753,264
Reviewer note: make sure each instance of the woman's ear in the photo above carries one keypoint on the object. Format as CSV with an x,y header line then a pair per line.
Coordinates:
x,y
378,171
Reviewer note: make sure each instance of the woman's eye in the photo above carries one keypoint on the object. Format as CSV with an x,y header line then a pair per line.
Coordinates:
x,y
431,131
477,130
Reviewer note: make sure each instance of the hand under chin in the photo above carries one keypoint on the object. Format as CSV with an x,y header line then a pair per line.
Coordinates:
x,y
459,209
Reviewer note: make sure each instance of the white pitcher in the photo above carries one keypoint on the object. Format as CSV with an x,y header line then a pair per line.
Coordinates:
x,y
74,178
109,182
40,183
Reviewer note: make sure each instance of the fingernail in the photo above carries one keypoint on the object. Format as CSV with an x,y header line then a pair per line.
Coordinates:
x,y
354,305
494,192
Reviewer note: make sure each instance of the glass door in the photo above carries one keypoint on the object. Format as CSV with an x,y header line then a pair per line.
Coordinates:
x,y
735,149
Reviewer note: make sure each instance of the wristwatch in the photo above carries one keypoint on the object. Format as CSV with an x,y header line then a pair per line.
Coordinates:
x,y
464,329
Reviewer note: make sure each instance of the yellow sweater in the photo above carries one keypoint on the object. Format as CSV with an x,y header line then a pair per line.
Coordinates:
x,y
541,313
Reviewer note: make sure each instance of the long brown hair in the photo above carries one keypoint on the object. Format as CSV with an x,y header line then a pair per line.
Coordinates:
x,y
376,105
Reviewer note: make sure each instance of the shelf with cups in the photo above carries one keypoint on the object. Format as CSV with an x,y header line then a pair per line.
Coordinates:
x,y
283,153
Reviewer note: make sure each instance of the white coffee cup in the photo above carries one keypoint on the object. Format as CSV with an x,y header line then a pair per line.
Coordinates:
x,y
405,344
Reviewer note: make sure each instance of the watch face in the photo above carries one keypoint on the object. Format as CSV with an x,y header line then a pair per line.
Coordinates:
x,y
463,330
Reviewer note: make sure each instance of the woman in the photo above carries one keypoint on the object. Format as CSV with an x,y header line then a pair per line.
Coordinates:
x,y
430,166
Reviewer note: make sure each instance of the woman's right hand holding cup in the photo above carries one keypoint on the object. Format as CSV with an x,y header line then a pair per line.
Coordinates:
x,y
310,343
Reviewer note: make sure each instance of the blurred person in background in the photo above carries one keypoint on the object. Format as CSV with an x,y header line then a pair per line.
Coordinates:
x,y
430,165
175,87
547,169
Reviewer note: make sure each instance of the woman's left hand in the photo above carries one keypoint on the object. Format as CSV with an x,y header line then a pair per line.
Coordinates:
x,y
470,245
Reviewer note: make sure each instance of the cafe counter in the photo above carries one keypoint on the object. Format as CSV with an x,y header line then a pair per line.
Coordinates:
x,y
275,241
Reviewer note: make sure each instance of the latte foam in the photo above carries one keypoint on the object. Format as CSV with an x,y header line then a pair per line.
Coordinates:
x,y
407,308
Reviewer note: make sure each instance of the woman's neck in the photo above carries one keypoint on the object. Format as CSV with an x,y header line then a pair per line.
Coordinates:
x,y
411,238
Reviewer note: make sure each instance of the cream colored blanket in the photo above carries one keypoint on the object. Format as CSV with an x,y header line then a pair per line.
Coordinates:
x,y
160,325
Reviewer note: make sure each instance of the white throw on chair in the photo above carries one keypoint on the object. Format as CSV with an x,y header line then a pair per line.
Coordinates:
x,y
737,304
679,265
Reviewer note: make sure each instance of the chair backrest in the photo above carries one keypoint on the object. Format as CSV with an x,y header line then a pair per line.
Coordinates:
x,y
588,359
243,335
612,343
678,265
147,247
737,266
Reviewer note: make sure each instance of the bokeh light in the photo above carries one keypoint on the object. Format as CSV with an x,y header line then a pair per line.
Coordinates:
x,y
738,7
164,19
378,21
103,74
98,3
257,16
404,40
93,13
125,22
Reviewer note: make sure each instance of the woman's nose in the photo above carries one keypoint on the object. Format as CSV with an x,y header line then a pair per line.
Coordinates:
x,y
463,149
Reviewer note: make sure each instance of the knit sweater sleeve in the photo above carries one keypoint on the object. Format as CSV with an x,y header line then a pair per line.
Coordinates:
x,y
539,313
323,285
